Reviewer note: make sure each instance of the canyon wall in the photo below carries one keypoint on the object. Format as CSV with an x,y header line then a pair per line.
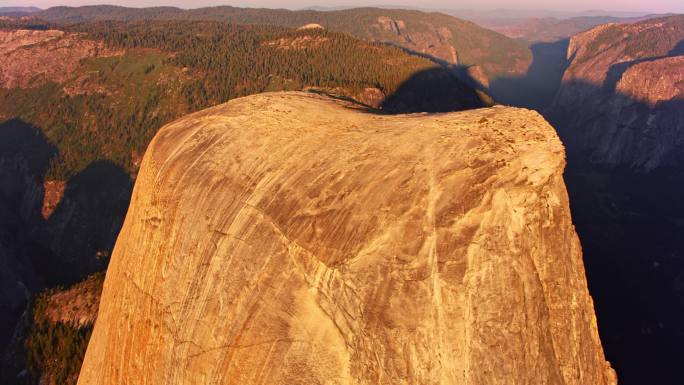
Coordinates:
x,y
621,103
620,113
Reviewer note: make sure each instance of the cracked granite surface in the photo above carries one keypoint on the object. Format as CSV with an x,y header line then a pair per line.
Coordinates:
x,y
288,238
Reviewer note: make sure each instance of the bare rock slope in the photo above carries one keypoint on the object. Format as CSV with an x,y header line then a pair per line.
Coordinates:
x,y
288,238
29,58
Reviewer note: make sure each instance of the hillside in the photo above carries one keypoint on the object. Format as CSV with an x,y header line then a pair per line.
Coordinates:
x,y
293,238
438,35
100,90
18,11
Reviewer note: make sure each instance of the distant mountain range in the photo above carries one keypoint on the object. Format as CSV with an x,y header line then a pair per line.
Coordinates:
x,y
540,13
549,29
500,13
18,11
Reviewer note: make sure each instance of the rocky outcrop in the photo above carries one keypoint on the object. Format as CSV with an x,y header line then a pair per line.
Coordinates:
x,y
451,41
311,26
77,305
434,41
626,81
291,238
29,58
51,336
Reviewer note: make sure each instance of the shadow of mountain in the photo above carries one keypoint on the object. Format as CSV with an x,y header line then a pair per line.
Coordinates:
x,y
25,155
588,118
23,139
678,49
436,89
344,98
424,55
36,253
539,85
635,268
83,228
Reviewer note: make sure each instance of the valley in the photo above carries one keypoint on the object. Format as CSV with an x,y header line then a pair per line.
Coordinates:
x,y
625,179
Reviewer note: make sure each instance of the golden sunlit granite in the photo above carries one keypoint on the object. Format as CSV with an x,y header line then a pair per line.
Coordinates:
x,y
288,238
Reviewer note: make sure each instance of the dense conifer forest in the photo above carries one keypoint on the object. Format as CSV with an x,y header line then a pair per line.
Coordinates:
x,y
170,68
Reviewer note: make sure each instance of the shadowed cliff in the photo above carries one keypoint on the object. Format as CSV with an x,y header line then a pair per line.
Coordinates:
x,y
630,223
25,155
620,114
43,246
622,123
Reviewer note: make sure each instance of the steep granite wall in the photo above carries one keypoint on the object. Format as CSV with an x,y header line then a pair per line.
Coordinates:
x,y
287,238
620,113
621,102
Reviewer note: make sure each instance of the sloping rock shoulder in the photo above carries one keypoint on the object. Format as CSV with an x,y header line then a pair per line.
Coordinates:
x,y
287,238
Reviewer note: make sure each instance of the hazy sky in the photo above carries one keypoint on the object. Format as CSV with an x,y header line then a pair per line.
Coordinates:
x,y
563,5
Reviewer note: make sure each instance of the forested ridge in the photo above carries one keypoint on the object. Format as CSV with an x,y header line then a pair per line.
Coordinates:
x,y
230,54
474,45
171,68
179,61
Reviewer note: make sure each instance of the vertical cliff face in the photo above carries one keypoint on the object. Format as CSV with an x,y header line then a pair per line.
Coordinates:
x,y
622,98
288,238
620,112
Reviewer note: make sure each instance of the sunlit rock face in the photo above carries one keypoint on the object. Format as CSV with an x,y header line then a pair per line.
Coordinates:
x,y
288,238
30,58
